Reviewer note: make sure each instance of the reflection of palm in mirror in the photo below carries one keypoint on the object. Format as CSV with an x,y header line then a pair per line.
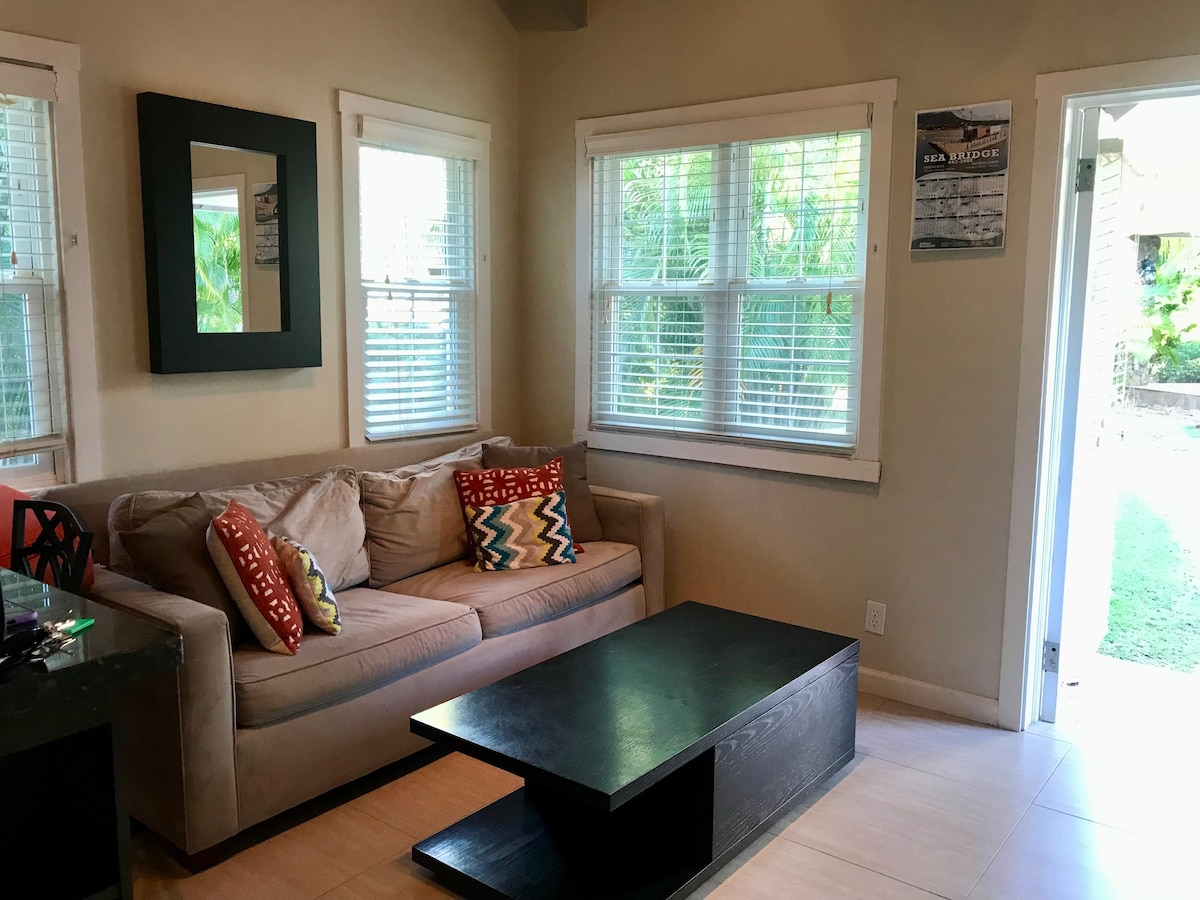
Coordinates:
x,y
218,246
235,240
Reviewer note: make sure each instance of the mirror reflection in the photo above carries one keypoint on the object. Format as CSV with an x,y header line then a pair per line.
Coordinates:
x,y
235,233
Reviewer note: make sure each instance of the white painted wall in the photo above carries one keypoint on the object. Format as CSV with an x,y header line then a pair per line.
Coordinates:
x,y
287,58
931,540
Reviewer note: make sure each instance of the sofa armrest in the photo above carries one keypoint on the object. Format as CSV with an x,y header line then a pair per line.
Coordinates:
x,y
637,519
179,725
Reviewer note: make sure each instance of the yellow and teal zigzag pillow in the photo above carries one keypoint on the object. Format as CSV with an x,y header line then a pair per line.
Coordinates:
x,y
521,534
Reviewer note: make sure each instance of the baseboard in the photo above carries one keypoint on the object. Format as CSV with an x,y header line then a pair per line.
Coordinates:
x,y
929,696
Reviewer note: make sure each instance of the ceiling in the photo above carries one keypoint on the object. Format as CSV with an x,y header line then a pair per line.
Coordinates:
x,y
546,15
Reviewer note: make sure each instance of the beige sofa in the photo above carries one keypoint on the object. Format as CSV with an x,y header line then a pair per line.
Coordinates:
x,y
237,734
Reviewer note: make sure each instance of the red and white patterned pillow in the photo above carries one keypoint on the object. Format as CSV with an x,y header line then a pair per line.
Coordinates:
x,y
497,487
242,553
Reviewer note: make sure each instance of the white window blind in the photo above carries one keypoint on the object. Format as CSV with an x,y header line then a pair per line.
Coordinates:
x,y
418,235
32,398
728,285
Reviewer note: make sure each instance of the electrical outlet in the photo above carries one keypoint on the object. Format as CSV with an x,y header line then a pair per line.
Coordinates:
x,y
875,615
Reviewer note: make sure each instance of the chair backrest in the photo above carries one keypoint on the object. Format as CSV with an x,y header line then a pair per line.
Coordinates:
x,y
59,548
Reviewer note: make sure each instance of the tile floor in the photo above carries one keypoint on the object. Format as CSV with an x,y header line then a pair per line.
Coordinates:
x,y
1099,805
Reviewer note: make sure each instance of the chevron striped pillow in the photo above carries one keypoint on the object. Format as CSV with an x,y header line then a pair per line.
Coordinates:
x,y
522,534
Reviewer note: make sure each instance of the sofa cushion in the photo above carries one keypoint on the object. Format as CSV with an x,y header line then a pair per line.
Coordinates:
x,y
509,601
320,510
581,508
414,521
252,573
383,637
470,453
309,584
522,534
495,487
172,553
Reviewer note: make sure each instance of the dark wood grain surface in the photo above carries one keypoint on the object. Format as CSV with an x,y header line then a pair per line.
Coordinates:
x,y
537,845
602,722
650,756
765,766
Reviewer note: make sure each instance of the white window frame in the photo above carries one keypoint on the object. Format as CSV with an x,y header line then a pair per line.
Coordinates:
x,y
82,460
430,131
779,115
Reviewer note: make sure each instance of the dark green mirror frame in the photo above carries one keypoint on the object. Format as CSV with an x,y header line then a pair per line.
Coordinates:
x,y
167,129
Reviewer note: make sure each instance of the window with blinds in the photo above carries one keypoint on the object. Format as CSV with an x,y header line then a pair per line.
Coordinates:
x,y
728,284
417,231
32,396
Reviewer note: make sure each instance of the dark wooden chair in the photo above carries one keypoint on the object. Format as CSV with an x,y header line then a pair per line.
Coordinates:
x,y
58,550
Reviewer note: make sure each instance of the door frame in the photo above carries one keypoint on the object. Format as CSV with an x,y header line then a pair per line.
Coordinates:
x,y
1041,385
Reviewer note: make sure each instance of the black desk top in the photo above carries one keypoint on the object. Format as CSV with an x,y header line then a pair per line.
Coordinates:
x,y
118,648
605,720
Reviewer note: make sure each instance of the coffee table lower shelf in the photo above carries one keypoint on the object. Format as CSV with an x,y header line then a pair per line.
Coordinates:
x,y
537,843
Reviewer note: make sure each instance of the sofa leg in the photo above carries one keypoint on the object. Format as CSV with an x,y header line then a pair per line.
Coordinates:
x,y
154,853
196,863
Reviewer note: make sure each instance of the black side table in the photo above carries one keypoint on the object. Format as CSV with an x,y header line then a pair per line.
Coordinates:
x,y
64,826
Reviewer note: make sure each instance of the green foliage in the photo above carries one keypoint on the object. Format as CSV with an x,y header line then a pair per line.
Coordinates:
x,y
1185,369
218,244
801,226
1162,302
1154,616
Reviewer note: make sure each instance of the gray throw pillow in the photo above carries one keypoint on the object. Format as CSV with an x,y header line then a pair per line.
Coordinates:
x,y
171,551
581,508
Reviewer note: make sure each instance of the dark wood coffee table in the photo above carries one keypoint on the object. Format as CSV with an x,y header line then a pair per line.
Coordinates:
x,y
651,756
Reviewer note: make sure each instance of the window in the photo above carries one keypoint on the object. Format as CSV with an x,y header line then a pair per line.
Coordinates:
x,y
40,171
735,288
32,404
416,269
220,205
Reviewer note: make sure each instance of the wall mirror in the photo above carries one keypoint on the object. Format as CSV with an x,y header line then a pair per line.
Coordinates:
x,y
229,201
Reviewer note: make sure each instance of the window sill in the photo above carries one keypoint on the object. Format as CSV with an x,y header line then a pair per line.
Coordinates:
x,y
769,459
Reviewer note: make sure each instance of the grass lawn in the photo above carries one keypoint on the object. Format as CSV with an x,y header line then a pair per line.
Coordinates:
x,y
1154,617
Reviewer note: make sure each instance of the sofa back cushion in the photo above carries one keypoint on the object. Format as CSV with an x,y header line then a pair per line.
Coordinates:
x,y
320,510
414,521
581,509
171,553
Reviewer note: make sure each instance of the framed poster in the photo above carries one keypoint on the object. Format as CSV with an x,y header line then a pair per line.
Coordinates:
x,y
266,224
960,195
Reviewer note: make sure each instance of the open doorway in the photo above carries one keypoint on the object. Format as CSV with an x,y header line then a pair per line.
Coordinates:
x,y
1132,584
1123,613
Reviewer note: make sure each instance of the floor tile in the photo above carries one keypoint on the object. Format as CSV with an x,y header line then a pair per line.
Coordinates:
x,y
921,829
870,701
300,864
1127,787
774,867
396,878
436,796
1017,764
1055,856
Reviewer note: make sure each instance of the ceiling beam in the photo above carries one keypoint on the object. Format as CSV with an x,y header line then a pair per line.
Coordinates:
x,y
546,15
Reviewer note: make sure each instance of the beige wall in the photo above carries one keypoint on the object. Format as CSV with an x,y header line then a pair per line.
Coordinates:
x,y
287,58
930,541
